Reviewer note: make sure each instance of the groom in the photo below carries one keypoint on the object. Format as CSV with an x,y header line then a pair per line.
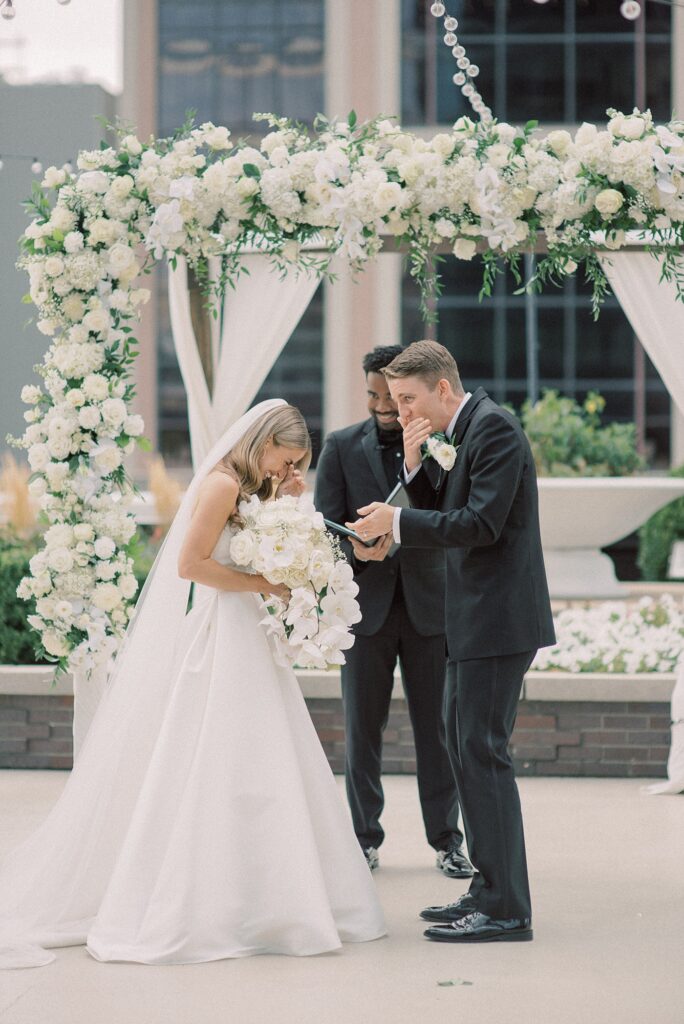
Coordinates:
x,y
484,513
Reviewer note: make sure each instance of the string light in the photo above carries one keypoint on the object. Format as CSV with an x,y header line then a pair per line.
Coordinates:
x,y
466,71
630,10
8,10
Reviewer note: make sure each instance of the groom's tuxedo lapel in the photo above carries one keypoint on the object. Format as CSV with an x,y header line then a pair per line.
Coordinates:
x,y
464,419
372,451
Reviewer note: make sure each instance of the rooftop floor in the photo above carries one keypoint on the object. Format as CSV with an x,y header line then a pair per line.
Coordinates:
x,y
607,874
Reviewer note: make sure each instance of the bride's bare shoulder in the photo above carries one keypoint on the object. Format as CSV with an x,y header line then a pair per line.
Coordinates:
x,y
219,486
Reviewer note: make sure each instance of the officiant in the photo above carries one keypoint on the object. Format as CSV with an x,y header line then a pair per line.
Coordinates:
x,y
402,605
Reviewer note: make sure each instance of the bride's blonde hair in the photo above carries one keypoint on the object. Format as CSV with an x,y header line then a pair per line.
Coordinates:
x,y
286,427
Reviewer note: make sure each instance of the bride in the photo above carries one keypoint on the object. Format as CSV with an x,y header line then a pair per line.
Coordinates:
x,y
201,819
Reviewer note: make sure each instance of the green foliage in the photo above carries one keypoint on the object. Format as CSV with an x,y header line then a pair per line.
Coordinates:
x,y
567,438
657,536
17,639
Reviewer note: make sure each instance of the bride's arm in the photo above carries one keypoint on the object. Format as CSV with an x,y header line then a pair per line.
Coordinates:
x,y
217,498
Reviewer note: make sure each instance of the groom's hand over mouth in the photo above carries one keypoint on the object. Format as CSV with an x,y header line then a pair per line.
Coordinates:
x,y
376,522
375,554
416,433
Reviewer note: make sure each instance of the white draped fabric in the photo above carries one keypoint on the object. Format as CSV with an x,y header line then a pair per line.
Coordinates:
x,y
657,316
257,319
654,311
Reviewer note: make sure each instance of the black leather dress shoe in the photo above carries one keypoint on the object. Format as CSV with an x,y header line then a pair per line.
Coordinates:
x,y
452,861
465,904
478,927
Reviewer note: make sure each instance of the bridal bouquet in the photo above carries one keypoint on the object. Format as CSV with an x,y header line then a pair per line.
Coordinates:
x,y
285,540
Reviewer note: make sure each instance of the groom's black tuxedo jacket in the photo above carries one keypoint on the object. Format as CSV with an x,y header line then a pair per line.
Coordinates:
x,y
486,518
351,474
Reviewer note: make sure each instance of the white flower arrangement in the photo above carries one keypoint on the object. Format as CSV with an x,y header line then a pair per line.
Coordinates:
x,y
617,637
345,185
285,540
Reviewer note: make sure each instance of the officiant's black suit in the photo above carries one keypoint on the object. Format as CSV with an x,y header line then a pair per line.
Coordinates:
x,y
402,606
484,514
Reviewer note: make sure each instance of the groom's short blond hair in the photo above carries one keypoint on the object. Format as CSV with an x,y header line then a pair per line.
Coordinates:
x,y
428,360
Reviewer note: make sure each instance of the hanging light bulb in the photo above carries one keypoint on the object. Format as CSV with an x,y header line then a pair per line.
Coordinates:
x,y
630,10
458,51
8,11
437,10
450,39
541,1
68,167
450,24
36,166
64,2
473,71
459,78
2,163
467,89
463,63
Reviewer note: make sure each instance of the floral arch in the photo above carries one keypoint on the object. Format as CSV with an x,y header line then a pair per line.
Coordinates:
x,y
301,199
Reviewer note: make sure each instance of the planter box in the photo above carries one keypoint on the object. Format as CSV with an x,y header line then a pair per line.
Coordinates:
x,y
581,515
592,725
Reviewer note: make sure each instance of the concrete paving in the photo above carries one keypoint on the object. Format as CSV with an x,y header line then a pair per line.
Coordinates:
x,y
607,871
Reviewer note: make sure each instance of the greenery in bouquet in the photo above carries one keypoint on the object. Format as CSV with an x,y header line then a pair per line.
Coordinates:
x,y
18,641
657,536
567,438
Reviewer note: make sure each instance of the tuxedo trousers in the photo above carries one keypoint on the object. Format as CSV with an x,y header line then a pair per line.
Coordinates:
x,y
367,680
480,709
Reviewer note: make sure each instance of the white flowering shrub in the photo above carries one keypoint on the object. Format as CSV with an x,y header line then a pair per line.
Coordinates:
x,y
285,540
345,185
617,637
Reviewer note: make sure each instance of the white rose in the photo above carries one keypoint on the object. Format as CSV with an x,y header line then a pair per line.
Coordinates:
x,y
498,154
54,643
54,176
247,187
83,532
97,321
106,596
586,134
38,487
445,228
59,446
608,202
132,145
464,248
632,127
106,571
96,387
89,417
57,473
62,219
134,425
54,266
30,394
243,547
73,307
120,258
104,547
60,559
63,610
443,144
74,397
559,141
106,459
217,137
45,606
114,412
387,197
47,327
38,457
128,585
42,584
59,536
73,242
93,181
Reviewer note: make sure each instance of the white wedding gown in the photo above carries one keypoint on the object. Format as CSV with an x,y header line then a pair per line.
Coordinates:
x,y
216,830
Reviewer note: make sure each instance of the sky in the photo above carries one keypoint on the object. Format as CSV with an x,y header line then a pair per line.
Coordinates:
x,y
81,41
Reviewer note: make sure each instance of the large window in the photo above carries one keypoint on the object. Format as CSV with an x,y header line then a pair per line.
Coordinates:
x,y
228,60
562,62
575,353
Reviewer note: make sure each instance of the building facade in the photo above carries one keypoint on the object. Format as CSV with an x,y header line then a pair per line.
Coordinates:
x,y
562,62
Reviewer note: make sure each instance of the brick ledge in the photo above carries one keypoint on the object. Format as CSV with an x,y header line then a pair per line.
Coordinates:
x,y
31,680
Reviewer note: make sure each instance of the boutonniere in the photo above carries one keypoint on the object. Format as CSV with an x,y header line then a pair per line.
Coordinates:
x,y
439,448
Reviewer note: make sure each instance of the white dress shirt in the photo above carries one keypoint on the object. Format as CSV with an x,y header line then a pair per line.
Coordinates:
x,y
409,476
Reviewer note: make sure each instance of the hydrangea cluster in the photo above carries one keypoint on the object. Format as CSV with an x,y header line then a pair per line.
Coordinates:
x,y
344,185
286,541
618,637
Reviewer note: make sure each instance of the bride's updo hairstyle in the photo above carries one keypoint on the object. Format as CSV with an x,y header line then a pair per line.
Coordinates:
x,y
287,428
